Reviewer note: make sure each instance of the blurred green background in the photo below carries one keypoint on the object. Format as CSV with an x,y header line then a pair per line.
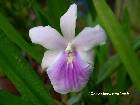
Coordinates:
x,y
117,63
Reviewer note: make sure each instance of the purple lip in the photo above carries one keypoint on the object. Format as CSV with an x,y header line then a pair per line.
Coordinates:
x,y
66,77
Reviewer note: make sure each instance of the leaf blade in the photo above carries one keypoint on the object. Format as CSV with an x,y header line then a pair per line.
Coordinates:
x,y
15,37
22,74
121,44
12,99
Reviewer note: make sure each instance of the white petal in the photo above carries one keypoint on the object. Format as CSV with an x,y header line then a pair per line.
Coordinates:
x,y
49,58
87,56
89,38
68,22
47,37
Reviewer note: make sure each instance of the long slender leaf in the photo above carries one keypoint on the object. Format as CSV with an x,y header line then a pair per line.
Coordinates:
x,y
16,80
120,42
109,88
122,80
74,99
114,62
22,75
137,44
14,36
108,67
56,8
40,14
9,99
91,9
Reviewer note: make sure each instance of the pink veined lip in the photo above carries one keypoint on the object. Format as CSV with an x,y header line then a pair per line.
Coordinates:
x,y
69,77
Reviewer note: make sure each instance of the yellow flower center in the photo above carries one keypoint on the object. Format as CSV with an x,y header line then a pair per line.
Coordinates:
x,y
69,52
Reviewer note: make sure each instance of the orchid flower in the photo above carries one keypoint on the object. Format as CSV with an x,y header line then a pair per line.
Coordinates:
x,y
69,59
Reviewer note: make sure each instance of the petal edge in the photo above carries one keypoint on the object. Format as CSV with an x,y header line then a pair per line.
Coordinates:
x,y
47,37
68,22
89,37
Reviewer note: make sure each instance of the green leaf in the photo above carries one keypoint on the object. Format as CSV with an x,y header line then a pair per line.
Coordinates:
x,y
74,99
133,7
107,68
108,88
9,99
22,75
137,44
121,80
112,64
120,42
15,37
1,72
126,24
91,9
56,8
17,81
40,14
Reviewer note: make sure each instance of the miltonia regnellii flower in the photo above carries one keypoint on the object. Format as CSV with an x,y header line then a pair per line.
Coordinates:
x,y
69,59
